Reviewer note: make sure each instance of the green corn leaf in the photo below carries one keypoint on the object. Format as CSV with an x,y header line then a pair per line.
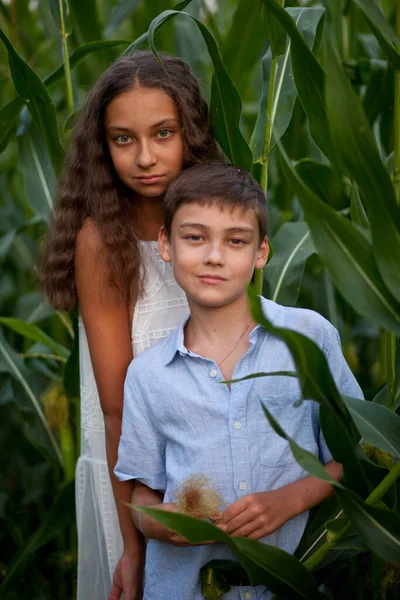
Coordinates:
x,y
6,242
283,274
347,255
264,564
263,374
121,11
276,33
79,54
358,155
317,384
34,333
248,27
40,179
226,105
14,365
33,91
57,518
357,210
379,528
59,10
86,19
378,425
9,115
306,20
309,79
142,40
323,181
383,31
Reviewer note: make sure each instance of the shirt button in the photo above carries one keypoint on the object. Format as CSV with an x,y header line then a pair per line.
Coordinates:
x,y
213,373
237,425
247,595
243,485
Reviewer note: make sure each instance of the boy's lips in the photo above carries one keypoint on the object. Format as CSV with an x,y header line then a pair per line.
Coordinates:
x,y
148,179
211,279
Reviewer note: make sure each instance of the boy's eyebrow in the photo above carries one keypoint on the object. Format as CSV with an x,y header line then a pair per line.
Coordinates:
x,y
158,124
228,230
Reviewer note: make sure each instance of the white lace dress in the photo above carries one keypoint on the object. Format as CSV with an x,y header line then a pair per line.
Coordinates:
x,y
161,309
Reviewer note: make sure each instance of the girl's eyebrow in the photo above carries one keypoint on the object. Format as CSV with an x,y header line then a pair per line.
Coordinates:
x,y
171,120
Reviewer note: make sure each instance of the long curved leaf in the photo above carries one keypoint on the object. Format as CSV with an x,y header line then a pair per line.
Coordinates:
x,y
306,20
347,255
358,155
9,120
379,529
309,79
383,31
34,333
33,91
14,365
226,105
283,274
264,564
378,425
40,179
60,515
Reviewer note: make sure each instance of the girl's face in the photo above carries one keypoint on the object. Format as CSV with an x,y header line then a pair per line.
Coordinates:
x,y
145,140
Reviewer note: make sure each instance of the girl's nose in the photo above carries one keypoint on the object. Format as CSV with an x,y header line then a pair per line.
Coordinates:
x,y
145,157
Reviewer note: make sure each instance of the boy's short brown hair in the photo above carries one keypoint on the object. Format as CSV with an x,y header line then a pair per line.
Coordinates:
x,y
216,182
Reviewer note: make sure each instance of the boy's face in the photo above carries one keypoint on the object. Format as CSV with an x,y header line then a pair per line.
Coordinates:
x,y
214,251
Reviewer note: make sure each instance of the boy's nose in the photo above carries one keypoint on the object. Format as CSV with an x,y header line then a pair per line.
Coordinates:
x,y
214,256
145,157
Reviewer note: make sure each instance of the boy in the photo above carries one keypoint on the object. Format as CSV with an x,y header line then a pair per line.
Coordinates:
x,y
180,420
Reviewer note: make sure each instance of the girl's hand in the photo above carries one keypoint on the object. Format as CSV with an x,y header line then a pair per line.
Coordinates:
x,y
128,578
257,515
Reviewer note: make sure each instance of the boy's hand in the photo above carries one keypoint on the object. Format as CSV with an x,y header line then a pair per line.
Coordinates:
x,y
258,515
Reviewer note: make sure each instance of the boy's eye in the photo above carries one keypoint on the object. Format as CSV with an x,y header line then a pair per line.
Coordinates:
x,y
122,139
237,242
164,133
193,238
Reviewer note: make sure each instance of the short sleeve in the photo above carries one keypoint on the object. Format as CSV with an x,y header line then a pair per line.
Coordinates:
x,y
141,450
343,377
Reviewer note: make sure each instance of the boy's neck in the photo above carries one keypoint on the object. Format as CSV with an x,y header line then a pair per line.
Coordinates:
x,y
214,332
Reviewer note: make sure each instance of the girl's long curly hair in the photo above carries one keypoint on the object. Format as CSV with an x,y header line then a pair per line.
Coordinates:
x,y
90,187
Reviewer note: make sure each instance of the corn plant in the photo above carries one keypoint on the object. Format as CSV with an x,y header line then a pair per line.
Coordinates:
x,y
306,95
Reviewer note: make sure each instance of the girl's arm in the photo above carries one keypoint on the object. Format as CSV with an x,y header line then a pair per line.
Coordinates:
x,y
107,325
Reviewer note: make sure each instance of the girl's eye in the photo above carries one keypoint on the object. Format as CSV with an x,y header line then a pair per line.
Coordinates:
x,y
123,139
164,133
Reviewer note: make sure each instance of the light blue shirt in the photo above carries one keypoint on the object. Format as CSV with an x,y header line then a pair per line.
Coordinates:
x,y
179,420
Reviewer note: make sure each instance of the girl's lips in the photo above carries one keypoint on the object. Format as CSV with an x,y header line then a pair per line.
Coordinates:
x,y
151,179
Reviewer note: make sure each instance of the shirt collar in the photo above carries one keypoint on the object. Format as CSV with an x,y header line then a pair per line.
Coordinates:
x,y
175,342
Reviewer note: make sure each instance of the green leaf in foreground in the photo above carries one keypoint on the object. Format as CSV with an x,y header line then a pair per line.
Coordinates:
x,y
60,515
265,564
283,273
377,425
346,253
309,78
358,155
226,104
383,31
34,333
33,91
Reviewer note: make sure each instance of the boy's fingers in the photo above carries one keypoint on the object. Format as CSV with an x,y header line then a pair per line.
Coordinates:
x,y
234,510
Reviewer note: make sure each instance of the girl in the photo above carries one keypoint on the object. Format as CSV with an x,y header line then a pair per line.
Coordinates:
x,y
142,124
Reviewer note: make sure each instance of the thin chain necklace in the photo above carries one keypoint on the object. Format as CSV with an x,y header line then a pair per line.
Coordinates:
x,y
237,344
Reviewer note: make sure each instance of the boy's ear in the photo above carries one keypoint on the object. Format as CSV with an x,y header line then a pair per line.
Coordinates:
x,y
262,254
164,246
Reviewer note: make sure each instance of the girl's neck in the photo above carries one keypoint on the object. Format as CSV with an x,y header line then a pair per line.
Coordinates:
x,y
149,216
